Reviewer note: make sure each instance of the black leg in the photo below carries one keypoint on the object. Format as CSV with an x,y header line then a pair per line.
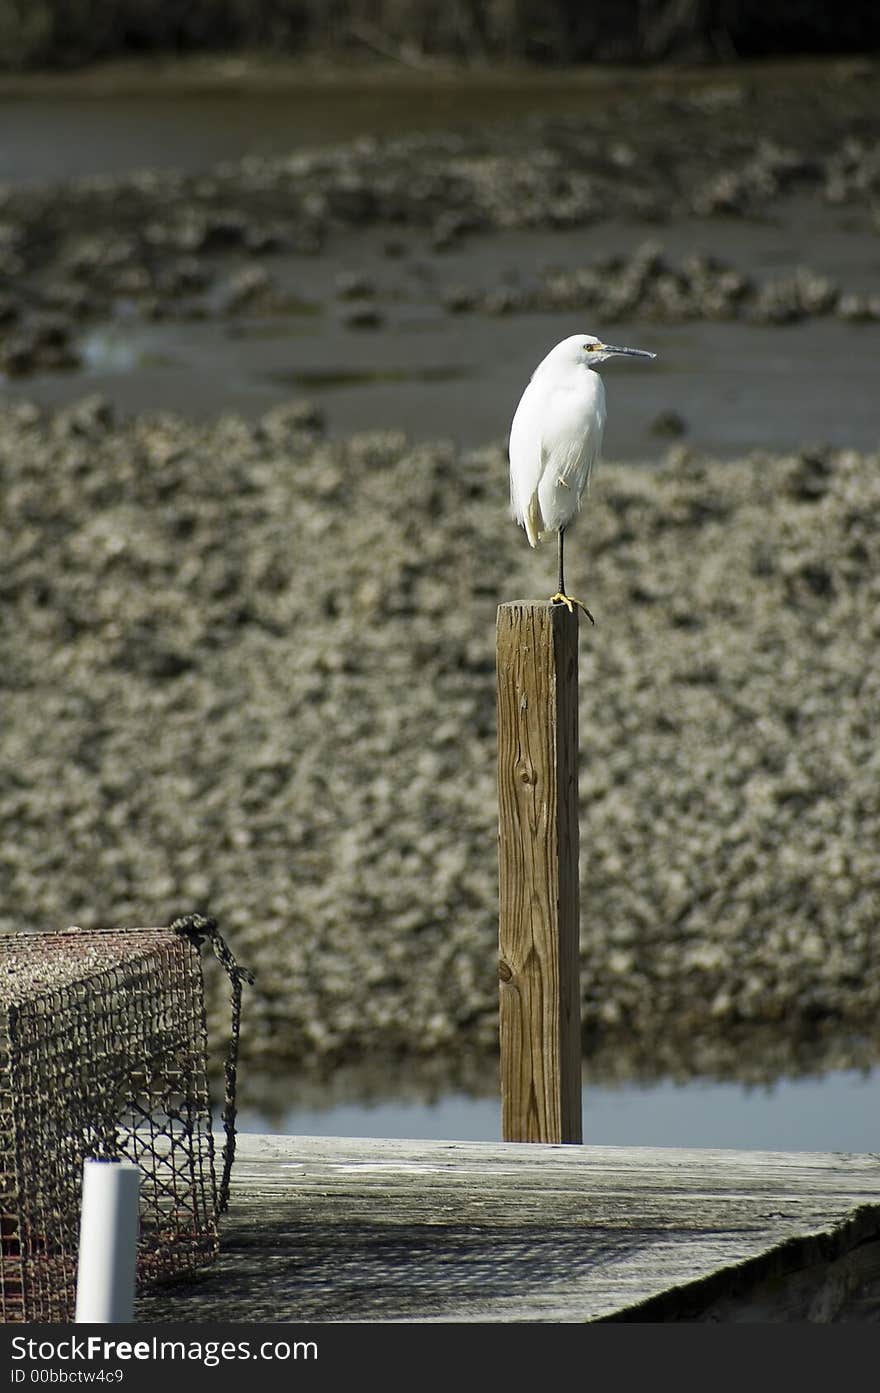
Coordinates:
x,y
561,597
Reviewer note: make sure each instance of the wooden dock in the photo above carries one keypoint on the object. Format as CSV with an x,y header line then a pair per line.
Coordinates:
x,y
327,1229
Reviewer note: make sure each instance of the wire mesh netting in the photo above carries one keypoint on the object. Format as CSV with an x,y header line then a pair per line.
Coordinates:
x,y
103,1053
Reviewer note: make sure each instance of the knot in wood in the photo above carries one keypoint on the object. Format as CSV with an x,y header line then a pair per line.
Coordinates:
x,y
505,971
526,772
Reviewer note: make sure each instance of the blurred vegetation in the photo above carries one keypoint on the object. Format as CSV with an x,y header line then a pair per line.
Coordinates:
x,y
66,33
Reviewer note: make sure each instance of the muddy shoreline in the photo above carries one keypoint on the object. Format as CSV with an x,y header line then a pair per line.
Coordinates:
x,y
161,245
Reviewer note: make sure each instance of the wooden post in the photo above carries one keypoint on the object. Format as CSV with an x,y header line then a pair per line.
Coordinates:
x,y
539,912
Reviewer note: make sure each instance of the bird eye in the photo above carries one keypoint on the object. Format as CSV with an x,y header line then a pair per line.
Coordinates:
x,y
590,347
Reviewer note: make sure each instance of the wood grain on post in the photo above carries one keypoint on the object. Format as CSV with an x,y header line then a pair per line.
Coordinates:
x,y
538,841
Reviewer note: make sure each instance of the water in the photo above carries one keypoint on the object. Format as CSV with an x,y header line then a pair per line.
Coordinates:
x,y
434,375
837,1112
422,370
430,373
191,116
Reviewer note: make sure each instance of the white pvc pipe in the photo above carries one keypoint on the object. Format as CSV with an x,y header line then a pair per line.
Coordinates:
x,y
108,1235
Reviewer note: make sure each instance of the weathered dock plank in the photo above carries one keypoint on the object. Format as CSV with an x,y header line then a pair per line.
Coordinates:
x,y
330,1229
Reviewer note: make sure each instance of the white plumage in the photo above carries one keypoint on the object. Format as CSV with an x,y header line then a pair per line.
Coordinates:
x,y
555,439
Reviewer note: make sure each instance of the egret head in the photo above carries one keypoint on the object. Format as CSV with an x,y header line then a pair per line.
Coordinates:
x,y
590,351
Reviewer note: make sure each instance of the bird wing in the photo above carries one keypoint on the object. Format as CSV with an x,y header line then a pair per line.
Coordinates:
x,y
526,462
571,441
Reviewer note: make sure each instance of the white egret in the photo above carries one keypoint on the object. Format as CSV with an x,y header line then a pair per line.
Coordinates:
x,y
555,438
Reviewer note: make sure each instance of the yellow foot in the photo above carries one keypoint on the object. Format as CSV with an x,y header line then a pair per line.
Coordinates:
x,y
570,601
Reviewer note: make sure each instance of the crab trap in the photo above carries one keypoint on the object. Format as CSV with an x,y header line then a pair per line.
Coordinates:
x,y
103,1054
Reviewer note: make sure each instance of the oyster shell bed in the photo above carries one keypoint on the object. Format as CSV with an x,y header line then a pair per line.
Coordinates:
x,y
250,670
